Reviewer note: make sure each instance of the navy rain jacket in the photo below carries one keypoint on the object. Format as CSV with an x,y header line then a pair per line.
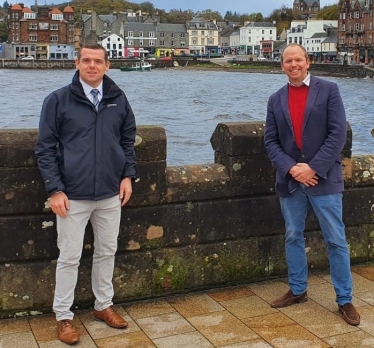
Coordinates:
x,y
83,152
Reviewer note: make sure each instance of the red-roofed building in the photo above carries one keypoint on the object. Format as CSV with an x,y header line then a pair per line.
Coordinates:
x,y
42,32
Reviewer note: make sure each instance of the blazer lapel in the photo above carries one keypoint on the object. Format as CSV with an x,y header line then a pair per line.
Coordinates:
x,y
285,107
312,95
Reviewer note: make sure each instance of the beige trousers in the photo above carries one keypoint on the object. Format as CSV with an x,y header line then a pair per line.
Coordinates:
x,y
105,216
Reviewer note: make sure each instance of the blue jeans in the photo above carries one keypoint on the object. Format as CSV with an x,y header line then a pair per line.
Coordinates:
x,y
328,210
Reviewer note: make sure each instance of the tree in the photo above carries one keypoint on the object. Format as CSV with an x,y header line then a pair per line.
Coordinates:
x,y
330,12
147,7
3,32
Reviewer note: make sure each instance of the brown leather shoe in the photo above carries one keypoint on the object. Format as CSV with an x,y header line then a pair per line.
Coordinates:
x,y
66,332
350,314
111,318
289,299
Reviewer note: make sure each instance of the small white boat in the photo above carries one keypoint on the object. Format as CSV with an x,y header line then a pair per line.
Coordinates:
x,y
138,66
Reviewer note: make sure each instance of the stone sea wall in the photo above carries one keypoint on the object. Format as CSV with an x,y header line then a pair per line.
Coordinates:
x,y
356,71
185,228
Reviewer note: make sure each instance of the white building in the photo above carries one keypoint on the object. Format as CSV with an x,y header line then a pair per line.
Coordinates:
x,y
235,41
253,33
114,44
312,34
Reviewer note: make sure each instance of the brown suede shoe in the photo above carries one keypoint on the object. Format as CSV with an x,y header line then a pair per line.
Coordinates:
x,y
289,299
350,314
66,332
111,318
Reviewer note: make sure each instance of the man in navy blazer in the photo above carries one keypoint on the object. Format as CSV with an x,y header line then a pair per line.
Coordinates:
x,y
304,136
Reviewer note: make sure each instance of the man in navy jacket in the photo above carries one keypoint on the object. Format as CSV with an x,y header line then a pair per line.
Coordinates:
x,y
304,136
86,156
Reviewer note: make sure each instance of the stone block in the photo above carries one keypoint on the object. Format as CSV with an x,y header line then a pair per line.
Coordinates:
x,y
22,191
237,139
150,144
17,147
250,174
157,227
363,171
196,182
358,206
149,188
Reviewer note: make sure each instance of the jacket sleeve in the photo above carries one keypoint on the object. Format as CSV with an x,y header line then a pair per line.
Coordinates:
x,y
128,133
280,159
47,145
328,153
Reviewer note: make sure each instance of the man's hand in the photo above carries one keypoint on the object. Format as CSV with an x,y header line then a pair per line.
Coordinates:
x,y
59,203
302,173
125,190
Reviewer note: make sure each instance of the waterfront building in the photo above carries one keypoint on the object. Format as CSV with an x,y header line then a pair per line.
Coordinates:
x,y
235,41
252,34
41,32
142,34
114,45
203,37
306,8
316,36
356,31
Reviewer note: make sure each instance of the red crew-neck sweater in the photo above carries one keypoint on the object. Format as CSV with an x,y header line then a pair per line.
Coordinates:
x,y
297,97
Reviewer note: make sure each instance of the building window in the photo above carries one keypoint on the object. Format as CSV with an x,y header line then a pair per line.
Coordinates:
x,y
162,43
54,26
33,26
57,17
151,43
271,32
152,34
130,34
194,33
357,26
33,37
172,43
140,33
54,38
172,34
108,46
162,34
183,35
29,16
357,14
141,43
183,44
71,38
130,42
194,41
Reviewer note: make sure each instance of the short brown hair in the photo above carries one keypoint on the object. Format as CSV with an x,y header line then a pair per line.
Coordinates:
x,y
94,46
295,45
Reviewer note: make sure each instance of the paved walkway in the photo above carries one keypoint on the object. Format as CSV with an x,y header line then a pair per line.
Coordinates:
x,y
235,317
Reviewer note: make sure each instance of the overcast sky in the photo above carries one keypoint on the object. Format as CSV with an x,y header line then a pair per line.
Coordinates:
x,y
239,6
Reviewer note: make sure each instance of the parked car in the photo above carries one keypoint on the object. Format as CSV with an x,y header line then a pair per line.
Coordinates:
x,y
27,58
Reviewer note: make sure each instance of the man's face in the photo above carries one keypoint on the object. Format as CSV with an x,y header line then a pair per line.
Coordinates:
x,y
295,64
92,66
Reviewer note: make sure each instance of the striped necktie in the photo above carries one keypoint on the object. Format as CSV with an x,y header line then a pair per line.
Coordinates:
x,y
95,100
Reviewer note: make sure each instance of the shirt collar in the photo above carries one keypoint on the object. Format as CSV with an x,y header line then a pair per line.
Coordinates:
x,y
87,89
305,82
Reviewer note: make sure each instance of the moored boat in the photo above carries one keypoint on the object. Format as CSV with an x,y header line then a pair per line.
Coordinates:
x,y
137,66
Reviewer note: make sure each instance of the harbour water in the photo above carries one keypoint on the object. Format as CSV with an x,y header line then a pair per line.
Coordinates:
x,y
188,103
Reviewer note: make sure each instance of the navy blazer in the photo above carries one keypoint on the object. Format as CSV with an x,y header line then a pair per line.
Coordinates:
x,y
323,135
